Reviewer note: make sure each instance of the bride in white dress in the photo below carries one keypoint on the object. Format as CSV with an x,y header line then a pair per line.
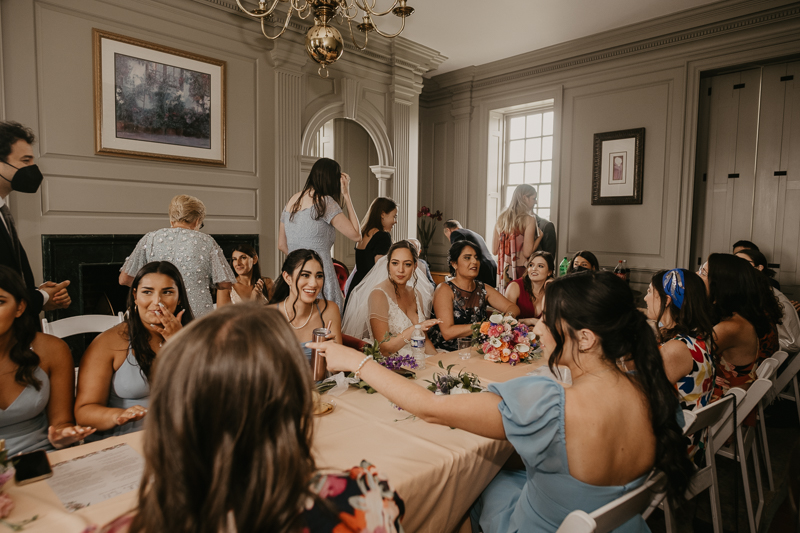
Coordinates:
x,y
392,298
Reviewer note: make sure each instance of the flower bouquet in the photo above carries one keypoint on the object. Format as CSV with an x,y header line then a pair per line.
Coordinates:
x,y
505,340
446,383
6,472
426,227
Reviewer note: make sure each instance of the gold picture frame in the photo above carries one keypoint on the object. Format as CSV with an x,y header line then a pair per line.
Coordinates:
x,y
157,103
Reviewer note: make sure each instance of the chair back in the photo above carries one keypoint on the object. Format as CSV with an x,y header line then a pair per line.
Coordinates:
x,y
780,356
783,378
612,515
722,430
708,416
80,324
767,368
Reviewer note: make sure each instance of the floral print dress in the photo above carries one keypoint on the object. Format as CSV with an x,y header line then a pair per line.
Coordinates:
x,y
509,263
468,307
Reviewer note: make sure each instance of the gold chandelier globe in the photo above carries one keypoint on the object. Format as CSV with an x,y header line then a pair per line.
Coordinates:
x,y
324,43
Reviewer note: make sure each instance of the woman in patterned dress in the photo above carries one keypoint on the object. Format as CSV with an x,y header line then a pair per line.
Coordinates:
x,y
516,236
677,302
462,301
746,314
239,379
312,217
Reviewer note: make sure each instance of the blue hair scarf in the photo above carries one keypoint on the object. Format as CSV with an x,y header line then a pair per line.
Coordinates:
x,y
673,283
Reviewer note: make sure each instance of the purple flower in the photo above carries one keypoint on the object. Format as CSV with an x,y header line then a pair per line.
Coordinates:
x,y
396,362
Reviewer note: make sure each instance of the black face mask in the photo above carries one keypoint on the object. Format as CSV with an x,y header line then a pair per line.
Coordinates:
x,y
26,180
581,269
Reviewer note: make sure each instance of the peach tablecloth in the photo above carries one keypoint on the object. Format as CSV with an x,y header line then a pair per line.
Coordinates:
x,y
438,471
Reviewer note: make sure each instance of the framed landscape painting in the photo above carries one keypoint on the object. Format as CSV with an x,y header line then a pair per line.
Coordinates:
x,y
158,103
618,167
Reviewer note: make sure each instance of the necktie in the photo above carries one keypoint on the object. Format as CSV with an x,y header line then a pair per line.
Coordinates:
x,y
12,232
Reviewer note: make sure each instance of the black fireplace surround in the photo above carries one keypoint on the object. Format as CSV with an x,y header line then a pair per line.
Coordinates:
x,y
92,263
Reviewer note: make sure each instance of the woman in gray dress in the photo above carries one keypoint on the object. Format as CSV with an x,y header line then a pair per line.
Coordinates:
x,y
36,378
313,215
198,256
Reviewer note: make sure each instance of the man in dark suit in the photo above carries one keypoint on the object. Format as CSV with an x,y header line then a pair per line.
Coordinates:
x,y
488,270
19,173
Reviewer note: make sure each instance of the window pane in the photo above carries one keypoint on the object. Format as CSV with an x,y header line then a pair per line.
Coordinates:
x,y
516,151
515,173
548,124
544,213
517,128
532,171
547,168
534,125
533,149
509,194
544,196
547,148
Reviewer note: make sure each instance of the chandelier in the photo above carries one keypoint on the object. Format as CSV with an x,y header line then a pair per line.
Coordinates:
x,y
324,43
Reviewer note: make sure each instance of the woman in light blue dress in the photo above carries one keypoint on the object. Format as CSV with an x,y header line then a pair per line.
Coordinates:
x,y
313,215
36,378
116,370
582,446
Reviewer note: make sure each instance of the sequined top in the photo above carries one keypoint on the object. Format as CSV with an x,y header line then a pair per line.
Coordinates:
x,y
198,257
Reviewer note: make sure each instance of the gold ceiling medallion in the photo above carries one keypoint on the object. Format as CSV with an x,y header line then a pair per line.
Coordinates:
x,y
324,43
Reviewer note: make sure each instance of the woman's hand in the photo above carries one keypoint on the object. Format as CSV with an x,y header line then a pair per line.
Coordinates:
x,y
428,324
131,414
340,358
345,181
257,293
170,324
67,435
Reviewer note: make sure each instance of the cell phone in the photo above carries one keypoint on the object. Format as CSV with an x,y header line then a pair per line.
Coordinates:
x,y
31,467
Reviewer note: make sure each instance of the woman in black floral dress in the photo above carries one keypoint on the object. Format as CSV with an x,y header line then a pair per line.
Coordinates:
x,y
462,301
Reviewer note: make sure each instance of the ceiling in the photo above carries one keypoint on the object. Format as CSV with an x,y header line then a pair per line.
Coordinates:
x,y
469,32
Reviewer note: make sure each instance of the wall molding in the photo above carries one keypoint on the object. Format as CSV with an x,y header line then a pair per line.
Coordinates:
x,y
575,54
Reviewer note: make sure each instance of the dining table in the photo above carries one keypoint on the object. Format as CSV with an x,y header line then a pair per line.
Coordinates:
x,y
438,471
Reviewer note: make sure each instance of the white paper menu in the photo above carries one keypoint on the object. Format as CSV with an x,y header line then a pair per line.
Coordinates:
x,y
96,477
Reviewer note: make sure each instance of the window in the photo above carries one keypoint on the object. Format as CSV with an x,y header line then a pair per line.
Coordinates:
x,y
529,156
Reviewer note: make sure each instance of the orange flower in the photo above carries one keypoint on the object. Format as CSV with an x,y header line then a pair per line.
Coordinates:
x,y
504,357
485,328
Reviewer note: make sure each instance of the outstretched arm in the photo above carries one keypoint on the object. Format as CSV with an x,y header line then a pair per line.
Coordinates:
x,y
476,413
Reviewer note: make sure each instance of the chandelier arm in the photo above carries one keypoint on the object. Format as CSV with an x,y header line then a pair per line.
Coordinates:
x,y
353,37
375,13
396,34
285,25
261,16
297,7
345,12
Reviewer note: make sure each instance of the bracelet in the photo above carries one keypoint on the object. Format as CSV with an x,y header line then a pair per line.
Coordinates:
x,y
363,362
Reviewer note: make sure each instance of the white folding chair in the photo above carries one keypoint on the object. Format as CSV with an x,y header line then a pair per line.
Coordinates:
x,y
640,501
76,325
789,376
746,443
716,419
767,370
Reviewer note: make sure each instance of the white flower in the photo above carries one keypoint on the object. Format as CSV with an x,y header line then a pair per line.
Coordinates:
x,y
496,319
459,389
522,348
494,341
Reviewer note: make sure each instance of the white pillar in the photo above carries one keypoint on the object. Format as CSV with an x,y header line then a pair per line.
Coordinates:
x,y
383,173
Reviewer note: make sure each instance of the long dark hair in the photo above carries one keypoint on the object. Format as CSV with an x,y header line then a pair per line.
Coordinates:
x,y
255,273
603,304
295,261
736,287
759,260
325,180
138,333
455,252
526,280
694,316
372,220
586,254
229,429
23,331
414,256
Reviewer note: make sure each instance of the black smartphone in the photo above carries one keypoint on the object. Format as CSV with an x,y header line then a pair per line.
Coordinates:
x,y
30,467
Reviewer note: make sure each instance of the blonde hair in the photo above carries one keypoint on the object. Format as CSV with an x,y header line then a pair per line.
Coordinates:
x,y
187,209
513,218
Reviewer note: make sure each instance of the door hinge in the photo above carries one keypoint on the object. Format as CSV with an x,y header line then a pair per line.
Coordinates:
x,y
738,86
733,175
780,173
790,77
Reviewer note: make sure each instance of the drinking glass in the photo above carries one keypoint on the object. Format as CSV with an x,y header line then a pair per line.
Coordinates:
x,y
465,347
